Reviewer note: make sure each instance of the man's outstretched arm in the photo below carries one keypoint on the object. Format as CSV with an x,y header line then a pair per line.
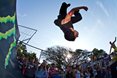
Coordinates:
x,y
71,12
114,40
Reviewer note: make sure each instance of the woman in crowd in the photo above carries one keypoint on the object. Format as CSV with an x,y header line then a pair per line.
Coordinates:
x,y
41,72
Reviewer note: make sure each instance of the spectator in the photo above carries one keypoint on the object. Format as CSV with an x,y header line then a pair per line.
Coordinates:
x,y
41,72
53,70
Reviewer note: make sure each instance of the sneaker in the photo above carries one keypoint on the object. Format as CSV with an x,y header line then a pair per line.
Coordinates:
x,y
65,4
68,5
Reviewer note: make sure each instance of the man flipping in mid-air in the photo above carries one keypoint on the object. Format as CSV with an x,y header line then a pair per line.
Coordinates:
x,y
113,45
65,21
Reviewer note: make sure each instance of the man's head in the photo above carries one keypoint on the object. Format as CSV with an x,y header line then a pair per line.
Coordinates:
x,y
71,36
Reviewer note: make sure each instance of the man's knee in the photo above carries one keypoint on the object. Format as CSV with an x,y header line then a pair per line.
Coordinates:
x,y
78,16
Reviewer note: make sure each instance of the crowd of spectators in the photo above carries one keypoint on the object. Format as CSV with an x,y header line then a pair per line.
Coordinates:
x,y
98,69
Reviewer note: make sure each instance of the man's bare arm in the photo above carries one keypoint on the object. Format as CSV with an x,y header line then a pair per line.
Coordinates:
x,y
76,9
71,12
114,40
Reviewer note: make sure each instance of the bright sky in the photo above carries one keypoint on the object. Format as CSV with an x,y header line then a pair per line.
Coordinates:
x,y
96,29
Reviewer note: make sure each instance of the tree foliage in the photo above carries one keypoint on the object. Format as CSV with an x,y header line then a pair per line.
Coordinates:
x,y
98,53
22,51
56,55
59,55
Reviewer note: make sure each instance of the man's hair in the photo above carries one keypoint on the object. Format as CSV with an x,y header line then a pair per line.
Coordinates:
x,y
69,36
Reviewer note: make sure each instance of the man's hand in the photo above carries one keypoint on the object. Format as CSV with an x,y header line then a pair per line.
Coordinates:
x,y
85,8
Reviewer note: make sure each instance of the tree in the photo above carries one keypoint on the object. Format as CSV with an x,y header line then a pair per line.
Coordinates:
x,y
98,53
57,55
80,56
65,56
32,56
22,52
21,49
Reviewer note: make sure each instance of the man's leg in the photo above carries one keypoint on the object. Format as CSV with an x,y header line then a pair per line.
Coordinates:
x,y
77,17
62,13
63,10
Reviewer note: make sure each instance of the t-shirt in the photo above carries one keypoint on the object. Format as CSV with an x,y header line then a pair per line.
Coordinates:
x,y
65,27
